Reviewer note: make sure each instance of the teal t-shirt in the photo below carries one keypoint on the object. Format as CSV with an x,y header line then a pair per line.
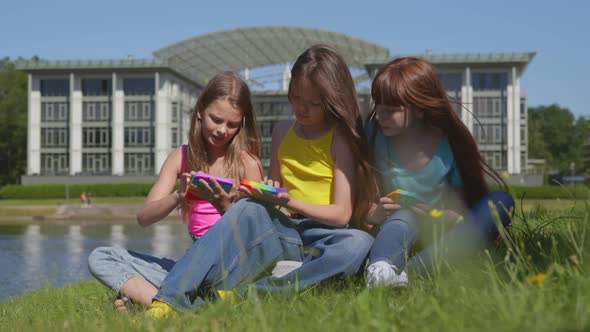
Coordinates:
x,y
431,182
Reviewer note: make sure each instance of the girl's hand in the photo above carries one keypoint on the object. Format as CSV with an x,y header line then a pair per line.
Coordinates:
x,y
185,180
218,197
382,210
280,199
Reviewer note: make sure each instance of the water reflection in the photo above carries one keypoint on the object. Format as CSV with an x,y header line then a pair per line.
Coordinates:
x,y
33,255
32,250
118,238
163,239
75,245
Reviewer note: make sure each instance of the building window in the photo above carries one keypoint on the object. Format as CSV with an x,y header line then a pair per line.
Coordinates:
x,y
175,112
497,81
138,111
54,163
47,112
96,137
62,112
96,163
90,111
55,88
174,137
138,136
96,111
96,87
139,86
497,134
54,112
54,137
451,81
146,111
139,163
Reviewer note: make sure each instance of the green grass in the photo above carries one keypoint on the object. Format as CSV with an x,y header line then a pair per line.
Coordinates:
x,y
490,292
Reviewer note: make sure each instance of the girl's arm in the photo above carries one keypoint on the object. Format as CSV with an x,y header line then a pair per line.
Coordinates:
x,y
161,199
339,212
252,166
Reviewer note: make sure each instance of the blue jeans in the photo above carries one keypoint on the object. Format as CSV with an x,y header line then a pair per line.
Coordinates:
x,y
241,249
113,266
398,233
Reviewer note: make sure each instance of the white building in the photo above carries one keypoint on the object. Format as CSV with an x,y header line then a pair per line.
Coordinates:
x,y
117,120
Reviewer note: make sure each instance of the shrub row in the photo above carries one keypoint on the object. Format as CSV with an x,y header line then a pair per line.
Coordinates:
x,y
59,190
142,189
550,192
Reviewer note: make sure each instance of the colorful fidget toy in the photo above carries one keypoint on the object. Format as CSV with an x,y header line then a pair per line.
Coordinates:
x,y
266,189
226,184
405,198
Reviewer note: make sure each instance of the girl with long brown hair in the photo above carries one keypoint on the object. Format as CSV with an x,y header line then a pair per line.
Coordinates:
x,y
223,141
422,147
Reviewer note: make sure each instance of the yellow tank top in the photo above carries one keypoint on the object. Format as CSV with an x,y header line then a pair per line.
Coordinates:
x,y
307,167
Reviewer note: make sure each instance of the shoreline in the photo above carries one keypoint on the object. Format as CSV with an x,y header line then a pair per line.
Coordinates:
x,y
112,213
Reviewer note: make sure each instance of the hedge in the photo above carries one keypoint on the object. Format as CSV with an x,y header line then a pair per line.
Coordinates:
x,y
142,189
59,190
550,192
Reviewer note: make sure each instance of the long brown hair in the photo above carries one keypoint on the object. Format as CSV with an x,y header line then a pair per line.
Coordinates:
x,y
229,87
323,66
412,82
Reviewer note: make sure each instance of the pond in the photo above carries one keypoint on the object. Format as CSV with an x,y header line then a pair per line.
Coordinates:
x,y
36,255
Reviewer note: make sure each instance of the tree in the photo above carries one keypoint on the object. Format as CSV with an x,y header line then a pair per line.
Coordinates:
x,y
582,133
556,136
13,123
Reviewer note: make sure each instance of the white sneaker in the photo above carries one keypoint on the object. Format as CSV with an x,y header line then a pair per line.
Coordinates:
x,y
382,273
284,267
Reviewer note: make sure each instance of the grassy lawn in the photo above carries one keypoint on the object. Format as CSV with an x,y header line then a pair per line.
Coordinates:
x,y
535,279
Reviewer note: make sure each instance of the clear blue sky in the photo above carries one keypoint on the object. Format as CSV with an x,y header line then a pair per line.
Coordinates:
x,y
559,33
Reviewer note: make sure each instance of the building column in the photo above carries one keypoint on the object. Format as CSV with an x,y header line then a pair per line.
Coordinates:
x,y
513,122
467,100
118,126
516,127
75,124
34,125
162,121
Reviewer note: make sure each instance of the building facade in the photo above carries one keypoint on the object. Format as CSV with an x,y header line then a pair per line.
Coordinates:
x,y
116,121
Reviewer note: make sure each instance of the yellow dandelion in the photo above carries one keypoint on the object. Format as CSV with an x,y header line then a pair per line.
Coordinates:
x,y
537,279
434,213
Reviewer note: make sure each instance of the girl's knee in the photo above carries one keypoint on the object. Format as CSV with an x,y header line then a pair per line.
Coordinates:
x,y
359,241
403,219
502,203
97,258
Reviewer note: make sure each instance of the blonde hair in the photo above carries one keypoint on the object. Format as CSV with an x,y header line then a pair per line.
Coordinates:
x,y
229,87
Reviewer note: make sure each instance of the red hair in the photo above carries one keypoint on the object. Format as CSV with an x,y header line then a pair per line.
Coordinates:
x,y
412,82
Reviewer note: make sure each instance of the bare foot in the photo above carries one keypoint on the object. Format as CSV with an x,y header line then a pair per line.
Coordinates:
x,y
120,305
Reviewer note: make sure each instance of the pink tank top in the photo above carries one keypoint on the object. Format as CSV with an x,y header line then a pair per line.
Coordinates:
x,y
202,214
